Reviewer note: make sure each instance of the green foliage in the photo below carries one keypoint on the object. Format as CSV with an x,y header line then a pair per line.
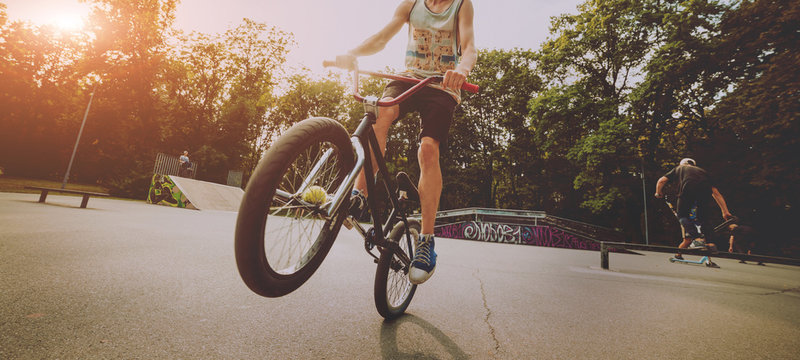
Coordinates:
x,y
488,128
579,120
156,90
305,97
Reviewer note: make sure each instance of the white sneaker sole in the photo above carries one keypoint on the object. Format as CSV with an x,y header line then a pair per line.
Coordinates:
x,y
417,276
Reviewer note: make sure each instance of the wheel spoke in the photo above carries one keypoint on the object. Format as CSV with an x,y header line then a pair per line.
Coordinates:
x,y
398,286
293,230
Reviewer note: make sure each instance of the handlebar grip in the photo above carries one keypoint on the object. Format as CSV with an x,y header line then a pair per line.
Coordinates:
x,y
328,63
470,87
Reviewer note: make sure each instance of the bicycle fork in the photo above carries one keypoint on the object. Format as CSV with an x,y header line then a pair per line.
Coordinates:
x,y
333,206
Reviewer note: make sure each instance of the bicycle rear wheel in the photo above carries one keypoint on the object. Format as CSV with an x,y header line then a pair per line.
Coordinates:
x,y
281,239
393,290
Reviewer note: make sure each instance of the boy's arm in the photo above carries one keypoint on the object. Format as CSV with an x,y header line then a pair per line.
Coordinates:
x,y
453,79
721,203
660,186
378,41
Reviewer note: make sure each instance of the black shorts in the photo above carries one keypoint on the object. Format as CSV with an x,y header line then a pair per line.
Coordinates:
x,y
435,107
693,194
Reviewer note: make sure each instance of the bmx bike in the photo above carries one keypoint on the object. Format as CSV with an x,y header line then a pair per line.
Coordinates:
x,y
282,236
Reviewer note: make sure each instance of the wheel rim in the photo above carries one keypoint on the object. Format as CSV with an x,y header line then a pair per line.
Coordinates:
x,y
293,230
398,286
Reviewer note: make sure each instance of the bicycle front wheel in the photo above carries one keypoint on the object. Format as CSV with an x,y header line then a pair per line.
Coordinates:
x,y
280,238
393,289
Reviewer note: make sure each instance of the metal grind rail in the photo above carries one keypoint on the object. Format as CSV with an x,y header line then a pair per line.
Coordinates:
x,y
605,246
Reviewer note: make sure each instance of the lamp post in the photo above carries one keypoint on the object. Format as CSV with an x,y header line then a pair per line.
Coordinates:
x,y
80,132
644,201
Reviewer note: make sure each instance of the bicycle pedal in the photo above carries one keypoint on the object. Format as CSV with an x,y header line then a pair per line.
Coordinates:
x,y
407,188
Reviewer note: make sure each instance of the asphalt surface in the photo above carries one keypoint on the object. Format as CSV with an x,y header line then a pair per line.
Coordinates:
x,y
125,279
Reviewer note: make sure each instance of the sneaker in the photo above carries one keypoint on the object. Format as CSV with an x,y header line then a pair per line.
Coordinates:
x,y
424,262
698,244
678,257
358,202
712,264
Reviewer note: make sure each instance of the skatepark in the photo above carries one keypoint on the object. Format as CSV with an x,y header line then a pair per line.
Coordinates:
x,y
127,279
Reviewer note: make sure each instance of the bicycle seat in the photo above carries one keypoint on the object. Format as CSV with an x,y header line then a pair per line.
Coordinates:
x,y
407,188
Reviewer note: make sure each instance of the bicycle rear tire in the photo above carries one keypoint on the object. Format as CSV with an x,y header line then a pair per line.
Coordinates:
x,y
280,242
393,289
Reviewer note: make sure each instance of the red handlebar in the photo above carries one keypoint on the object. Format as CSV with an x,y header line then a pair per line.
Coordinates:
x,y
470,87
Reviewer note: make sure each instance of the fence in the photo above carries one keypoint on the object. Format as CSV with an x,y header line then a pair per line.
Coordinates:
x,y
495,215
585,230
171,165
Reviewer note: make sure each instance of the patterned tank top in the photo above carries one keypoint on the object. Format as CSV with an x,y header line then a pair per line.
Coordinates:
x,y
433,42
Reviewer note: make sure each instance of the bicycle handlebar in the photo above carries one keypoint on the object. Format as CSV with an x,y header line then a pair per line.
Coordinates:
x,y
419,83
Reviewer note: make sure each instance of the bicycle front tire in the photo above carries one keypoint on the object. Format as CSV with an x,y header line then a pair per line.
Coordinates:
x,y
281,241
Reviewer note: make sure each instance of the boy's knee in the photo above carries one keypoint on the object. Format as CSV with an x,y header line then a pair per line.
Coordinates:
x,y
387,115
428,149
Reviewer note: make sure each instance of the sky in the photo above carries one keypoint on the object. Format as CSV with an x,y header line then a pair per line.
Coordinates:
x,y
325,28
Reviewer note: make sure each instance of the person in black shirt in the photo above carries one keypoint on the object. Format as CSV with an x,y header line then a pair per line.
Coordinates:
x,y
694,187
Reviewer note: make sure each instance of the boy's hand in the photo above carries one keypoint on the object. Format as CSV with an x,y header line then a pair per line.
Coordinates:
x,y
346,61
453,79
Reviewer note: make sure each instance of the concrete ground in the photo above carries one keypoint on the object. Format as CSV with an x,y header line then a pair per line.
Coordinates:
x,y
125,279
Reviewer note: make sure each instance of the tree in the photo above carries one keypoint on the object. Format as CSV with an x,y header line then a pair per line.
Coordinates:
x,y
580,119
219,89
761,113
42,96
127,56
489,147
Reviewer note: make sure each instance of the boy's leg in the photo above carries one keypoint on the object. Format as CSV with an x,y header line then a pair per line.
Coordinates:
x,y
436,111
386,116
430,182
683,245
430,190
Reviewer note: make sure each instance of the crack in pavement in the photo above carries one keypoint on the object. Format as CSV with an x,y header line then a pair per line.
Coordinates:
x,y
794,290
488,315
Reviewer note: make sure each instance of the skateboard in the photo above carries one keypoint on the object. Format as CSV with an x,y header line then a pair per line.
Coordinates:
x,y
704,260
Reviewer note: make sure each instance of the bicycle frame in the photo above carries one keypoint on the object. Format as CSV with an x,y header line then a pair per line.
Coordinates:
x,y
364,138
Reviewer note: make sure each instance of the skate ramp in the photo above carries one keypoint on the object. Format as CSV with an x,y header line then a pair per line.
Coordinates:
x,y
203,195
209,196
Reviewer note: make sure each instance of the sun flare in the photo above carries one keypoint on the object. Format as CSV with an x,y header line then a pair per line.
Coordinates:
x,y
68,22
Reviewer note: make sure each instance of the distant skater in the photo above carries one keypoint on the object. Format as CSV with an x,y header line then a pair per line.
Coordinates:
x,y
185,164
694,188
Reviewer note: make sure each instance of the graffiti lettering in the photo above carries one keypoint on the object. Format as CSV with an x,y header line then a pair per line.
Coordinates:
x,y
515,234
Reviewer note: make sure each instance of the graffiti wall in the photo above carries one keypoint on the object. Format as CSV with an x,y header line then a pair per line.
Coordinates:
x,y
164,192
514,234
